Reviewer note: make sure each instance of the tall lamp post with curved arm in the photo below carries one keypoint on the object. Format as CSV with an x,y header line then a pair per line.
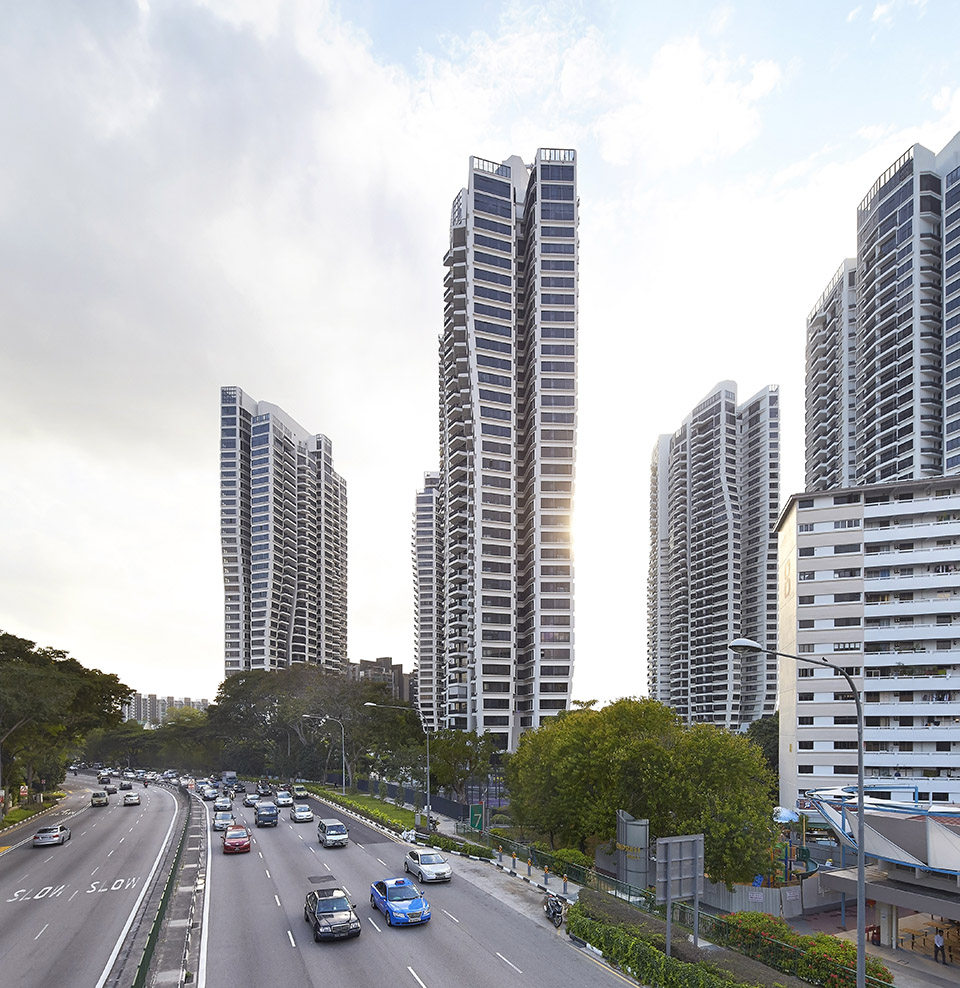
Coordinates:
x,y
390,706
746,646
321,719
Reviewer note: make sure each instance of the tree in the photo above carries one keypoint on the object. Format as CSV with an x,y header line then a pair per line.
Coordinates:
x,y
766,733
458,756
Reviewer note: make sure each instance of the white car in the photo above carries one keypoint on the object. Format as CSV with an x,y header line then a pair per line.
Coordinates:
x,y
301,813
427,865
284,798
58,834
222,803
131,799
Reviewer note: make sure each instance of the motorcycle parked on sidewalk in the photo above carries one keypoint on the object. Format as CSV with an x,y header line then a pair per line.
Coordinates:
x,y
554,906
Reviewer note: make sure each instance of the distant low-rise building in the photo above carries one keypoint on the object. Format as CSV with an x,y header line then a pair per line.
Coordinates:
x,y
382,670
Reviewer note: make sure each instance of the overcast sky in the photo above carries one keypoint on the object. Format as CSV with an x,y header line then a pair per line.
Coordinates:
x,y
257,193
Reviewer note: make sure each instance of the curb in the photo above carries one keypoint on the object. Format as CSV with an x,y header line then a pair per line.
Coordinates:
x,y
36,816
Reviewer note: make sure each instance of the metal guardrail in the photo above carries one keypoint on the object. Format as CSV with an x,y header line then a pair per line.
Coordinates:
x,y
143,968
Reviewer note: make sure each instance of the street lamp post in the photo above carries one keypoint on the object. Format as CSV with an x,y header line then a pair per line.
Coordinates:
x,y
746,646
388,706
321,719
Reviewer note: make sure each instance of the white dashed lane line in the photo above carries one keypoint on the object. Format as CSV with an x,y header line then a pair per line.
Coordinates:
x,y
454,918
40,934
505,961
292,941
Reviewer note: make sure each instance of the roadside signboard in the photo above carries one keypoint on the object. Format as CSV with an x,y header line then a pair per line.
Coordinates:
x,y
476,816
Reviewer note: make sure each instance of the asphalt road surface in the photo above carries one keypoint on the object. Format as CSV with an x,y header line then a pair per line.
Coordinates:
x,y
487,929
65,909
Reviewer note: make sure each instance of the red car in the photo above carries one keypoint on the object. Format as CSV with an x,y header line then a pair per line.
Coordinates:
x,y
236,840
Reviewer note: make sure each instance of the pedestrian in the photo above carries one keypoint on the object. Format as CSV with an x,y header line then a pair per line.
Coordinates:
x,y
938,946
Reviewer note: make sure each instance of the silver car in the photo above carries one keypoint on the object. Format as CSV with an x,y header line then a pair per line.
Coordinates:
x,y
58,834
284,798
301,813
427,865
223,820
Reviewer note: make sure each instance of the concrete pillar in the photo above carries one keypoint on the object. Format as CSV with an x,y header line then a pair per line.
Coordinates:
x,y
887,920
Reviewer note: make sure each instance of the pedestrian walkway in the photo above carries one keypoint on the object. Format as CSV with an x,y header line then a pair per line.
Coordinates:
x,y
910,968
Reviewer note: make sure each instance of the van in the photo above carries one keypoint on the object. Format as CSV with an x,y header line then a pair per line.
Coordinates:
x,y
332,833
99,798
266,815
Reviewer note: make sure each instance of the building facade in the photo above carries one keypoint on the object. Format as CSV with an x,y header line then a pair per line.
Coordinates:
x,y
283,525
869,580
508,418
383,670
883,342
713,559
429,671
151,710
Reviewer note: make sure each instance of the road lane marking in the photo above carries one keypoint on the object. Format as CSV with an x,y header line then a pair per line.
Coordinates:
x,y
71,897
384,863
374,925
95,870
505,961
292,942
359,845
277,898
414,973
122,839
312,851
110,852
300,836
84,832
454,918
325,865
130,831
40,934
267,870
261,855
45,860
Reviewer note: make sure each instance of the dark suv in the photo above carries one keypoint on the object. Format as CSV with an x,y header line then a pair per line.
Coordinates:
x,y
331,914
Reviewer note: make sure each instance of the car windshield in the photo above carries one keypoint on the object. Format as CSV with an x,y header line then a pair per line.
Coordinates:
x,y
431,859
338,828
401,893
336,905
48,830
302,809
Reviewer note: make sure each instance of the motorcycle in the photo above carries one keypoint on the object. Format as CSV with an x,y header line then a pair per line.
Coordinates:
x,y
554,906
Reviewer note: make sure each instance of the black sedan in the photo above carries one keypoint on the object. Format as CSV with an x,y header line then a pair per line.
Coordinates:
x,y
331,914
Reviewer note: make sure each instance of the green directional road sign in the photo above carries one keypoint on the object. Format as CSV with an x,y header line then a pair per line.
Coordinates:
x,y
476,816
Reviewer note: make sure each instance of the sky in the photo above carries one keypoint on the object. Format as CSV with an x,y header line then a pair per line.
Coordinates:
x,y
198,193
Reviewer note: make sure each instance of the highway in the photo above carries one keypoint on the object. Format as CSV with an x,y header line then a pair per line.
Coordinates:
x,y
487,929
65,910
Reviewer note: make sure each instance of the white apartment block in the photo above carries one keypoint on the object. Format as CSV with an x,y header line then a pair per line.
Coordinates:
x,y
888,325
151,710
714,495
508,409
283,531
428,608
869,580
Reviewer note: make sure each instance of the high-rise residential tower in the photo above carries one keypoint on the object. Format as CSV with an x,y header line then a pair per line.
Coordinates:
x,y
283,531
428,601
883,342
715,487
508,409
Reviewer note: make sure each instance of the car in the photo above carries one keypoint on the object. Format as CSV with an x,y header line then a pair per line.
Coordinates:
x,y
126,784
99,798
222,803
209,793
131,799
251,799
236,840
266,814
301,813
331,914
238,786
223,820
332,833
400,901
263,788
283,798
102,777
110,788
56,834
299,792
427,865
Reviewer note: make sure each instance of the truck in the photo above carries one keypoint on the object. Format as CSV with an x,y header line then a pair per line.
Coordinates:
x,y
228,779
266,814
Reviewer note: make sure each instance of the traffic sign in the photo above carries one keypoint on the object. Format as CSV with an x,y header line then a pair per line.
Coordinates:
x,y
476,816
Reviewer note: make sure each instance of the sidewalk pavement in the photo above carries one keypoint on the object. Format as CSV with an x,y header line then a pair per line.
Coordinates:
x,y
910,969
